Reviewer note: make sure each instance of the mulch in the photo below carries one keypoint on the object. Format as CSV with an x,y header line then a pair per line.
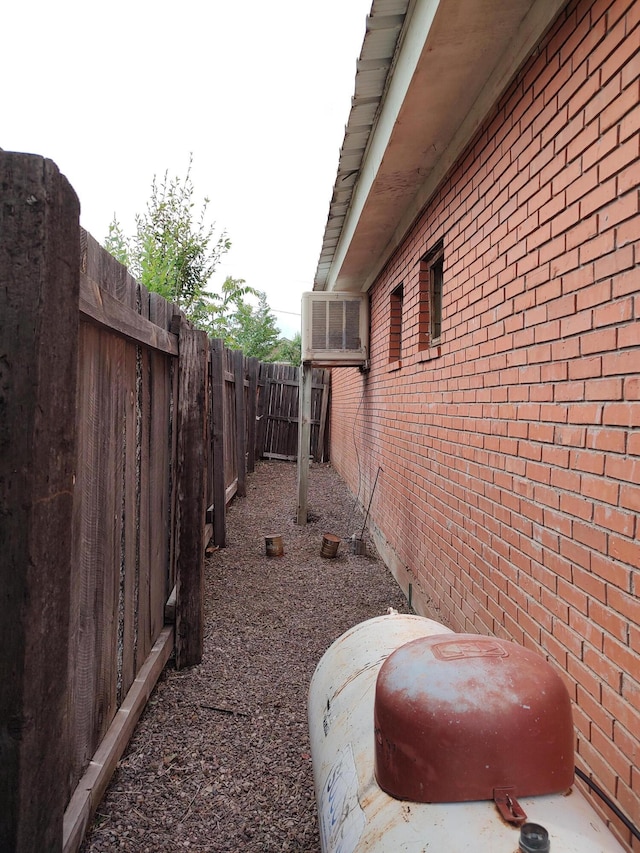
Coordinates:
x,y
220,760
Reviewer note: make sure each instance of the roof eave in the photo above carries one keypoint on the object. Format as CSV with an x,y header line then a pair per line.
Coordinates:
x,y
406,157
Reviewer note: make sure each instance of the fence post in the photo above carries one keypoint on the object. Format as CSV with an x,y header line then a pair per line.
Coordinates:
x,y
261,408
321,456
252,408
40,274
241,423
191,493
304,440
217,442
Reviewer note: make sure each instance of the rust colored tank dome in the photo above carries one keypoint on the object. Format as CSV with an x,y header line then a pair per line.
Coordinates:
x,y
458,716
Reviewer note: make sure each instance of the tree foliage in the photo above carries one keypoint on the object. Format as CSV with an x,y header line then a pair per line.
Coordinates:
x,y
290,351
175,251
253,329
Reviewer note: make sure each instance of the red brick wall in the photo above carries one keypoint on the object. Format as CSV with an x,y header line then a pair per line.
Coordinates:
x,y
510,486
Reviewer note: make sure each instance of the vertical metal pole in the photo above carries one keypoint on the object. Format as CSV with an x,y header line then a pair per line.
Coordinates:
x,y
304,440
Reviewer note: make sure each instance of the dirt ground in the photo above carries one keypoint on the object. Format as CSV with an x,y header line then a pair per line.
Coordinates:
x,y
220,760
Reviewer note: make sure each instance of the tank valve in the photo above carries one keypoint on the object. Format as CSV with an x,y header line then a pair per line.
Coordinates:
x,y
534,838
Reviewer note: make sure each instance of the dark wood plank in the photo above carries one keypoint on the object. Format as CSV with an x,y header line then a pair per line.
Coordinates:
x,y
252,405
159,312
276,404
281,456
290,429
230,432
144,512
159,490
144,465
94,663
143,301
303,445
217,442
103,267
321,447
260,410
83,575
90,792
99,306
266,422
106,482
173,468
192,494
128,547
160,476
241,423
39,270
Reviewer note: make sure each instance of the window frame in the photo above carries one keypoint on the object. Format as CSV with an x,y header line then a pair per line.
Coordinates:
x,y
396,310
436,286
431,293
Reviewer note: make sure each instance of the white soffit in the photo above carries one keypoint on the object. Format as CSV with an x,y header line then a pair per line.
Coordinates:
x,y
383,29
428,74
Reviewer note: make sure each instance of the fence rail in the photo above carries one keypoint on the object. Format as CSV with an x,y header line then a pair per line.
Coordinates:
x,y
124,433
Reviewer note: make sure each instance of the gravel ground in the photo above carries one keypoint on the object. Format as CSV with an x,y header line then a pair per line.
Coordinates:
x,y
220,760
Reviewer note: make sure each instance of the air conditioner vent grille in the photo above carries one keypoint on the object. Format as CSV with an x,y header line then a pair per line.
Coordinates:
x,y
335,328
335,325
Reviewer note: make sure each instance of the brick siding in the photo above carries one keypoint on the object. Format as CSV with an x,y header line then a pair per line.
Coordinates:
x,y
510,453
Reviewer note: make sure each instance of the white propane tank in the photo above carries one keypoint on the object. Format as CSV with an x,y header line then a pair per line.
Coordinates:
x,y
356,815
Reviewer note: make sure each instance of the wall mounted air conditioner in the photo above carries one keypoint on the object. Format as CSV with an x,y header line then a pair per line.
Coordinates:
x,y
335,328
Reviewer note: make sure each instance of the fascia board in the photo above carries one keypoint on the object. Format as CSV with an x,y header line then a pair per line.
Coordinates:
x,y
535,24
417,28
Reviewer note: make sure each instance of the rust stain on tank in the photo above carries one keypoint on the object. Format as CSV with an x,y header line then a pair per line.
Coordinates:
x,y
458,716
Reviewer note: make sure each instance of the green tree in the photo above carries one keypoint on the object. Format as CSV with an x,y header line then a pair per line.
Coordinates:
x,y
290,352
216,319
175,251
253,329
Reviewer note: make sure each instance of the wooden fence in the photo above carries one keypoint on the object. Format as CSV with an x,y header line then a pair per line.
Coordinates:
x,y
121,429
278,415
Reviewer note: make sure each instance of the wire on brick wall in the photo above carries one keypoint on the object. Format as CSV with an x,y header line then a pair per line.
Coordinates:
x,y
353,437
605,798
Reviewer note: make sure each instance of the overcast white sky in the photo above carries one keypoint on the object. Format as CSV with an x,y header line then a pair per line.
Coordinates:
x,y
259,92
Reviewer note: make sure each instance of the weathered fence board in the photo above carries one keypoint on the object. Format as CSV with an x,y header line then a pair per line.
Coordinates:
x,y
99,305
91,788
105,482
39,263
192,425
127,513
230,433
144,475
253,366
159,489
102,499
279,434
240,401
218,486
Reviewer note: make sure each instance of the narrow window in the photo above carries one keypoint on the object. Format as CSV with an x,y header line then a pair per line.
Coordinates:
x,y
436,297
395,325
431,282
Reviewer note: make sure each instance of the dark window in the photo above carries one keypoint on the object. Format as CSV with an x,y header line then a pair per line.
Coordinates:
x,y
395,324
431,284
436,272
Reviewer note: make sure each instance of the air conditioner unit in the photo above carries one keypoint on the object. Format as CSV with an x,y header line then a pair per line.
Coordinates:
x,y
335,328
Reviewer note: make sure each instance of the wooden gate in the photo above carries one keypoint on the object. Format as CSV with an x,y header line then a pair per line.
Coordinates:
x,y
278,412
